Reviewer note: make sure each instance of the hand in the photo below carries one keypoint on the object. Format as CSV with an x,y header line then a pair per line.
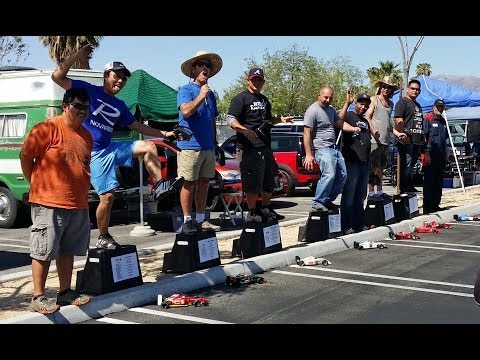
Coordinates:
x,y
85,52
308,162
350,97
204,90
286,119
376,134
169,134
250,135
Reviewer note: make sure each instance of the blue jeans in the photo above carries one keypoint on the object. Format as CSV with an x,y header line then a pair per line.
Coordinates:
x,y
353,196
332,167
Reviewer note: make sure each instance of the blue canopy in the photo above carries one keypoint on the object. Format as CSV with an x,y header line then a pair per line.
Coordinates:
x,y
465,102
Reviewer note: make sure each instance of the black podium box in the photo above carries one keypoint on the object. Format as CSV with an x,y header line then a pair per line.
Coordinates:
x,y
192,252
109,270
321,225
379,212
258,239
405,206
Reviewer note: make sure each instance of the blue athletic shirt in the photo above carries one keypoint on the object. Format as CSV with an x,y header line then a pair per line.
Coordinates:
x,y
105,111
200,123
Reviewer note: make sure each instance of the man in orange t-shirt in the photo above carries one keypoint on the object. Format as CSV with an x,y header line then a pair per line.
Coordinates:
x,y
55,159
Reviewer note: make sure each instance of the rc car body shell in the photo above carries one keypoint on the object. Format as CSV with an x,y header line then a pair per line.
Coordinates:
x,y
312,261
369,245
179,300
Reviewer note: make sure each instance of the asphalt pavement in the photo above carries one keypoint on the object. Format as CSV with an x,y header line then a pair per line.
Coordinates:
x,y
102,305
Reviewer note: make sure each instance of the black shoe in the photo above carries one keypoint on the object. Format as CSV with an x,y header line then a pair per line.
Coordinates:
x,y
269,213
164,187
332,206
189,228
413,190
438,208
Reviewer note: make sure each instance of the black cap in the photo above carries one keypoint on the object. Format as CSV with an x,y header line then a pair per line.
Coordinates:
x,y
363,97
256,72
439,102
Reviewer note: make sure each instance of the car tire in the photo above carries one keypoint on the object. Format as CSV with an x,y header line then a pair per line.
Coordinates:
x,y
213,203
10,208
290,185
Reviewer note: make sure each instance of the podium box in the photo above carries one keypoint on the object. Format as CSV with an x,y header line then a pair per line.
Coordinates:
x,y
109,270
379,212
321,225
257,239
192,252
405,206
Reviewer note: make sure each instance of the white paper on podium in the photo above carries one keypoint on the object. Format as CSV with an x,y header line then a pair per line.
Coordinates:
x,y
334,223
388,211
413,204
271,235
208,249
125,267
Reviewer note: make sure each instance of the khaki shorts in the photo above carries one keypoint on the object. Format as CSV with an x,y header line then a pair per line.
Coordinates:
x,y
57,231
195,164
379,155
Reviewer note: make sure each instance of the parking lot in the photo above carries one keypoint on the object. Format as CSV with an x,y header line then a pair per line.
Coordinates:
x,y
424,281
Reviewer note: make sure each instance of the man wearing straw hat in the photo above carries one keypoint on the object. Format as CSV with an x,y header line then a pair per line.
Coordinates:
x,y
196,162
378,115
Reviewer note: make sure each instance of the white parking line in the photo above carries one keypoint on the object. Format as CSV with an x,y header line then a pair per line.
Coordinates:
x,y
177,316
434,247
384,276
115,321
434,242
467,223
18,246
373,283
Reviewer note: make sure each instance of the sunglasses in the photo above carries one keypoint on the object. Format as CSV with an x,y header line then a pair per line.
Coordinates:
x,y
79,106
202,64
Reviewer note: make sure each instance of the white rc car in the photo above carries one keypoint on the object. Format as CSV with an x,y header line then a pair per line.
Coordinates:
x,y
368,245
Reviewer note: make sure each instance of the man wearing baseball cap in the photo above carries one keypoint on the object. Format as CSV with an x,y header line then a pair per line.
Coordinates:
x,y
435,157
356,152
105,111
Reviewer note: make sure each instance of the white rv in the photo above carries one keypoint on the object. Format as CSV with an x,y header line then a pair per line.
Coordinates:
x,y
27,97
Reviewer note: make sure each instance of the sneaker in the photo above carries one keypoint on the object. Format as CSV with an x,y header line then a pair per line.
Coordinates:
x,y
319,207
206,225
71,297
107,242
254,216
189,228
349,231
43,305
271,214
165,187
332,206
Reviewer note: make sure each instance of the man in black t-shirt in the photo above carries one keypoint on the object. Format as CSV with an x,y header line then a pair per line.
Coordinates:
x,y
356,152
250,115
409,120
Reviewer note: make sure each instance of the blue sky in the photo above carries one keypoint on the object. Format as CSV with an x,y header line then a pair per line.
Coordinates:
x,y
161,56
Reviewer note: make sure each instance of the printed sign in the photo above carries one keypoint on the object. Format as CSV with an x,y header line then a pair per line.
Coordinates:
x,y
208,249
388,211
271,235
413,204
334,223
125,267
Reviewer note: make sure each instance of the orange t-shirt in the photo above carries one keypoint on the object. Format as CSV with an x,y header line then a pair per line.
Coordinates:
x,y
61,173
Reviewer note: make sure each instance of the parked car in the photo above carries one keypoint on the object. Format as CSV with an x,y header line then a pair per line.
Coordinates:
x,y
227,177
289,153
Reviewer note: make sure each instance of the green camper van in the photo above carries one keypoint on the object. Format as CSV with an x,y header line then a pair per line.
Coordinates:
x,y
27,97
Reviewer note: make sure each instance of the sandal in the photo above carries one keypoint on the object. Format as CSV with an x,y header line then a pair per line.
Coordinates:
x,y
71,297
43,305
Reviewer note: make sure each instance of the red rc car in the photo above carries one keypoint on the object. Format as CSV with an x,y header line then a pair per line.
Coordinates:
x,y
403,236
179,300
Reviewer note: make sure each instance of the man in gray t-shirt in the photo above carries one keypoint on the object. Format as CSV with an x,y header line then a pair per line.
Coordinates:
x,y
320,121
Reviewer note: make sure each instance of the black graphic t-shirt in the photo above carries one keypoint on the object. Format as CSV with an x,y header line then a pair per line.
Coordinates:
x,y
356,147
412,115
252,111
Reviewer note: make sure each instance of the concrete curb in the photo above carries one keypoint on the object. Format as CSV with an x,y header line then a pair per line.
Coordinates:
x,y
103,305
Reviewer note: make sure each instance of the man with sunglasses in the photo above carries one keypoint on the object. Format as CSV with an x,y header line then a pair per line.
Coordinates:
x,y
409,120
105,111
378,115
55,160
196,162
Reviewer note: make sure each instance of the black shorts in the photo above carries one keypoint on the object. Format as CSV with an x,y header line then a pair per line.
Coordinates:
x,y
257,169
379,155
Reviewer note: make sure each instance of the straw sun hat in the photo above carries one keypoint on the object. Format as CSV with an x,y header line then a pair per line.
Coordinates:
x,y
213,59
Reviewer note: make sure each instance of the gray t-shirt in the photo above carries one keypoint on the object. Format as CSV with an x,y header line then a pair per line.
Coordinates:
x,y
321,121
381,121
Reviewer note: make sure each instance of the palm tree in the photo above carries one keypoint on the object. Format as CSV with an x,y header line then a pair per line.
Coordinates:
x,y
386,68
424,69
61,47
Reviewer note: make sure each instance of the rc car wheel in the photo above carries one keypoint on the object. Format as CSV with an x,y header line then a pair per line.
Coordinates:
x,y
381,246
360,247
165,305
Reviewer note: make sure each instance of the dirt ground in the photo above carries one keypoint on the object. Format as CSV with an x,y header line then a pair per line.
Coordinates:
x,y
15,295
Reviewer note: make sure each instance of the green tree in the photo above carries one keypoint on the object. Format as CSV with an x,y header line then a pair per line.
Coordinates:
x,y
60,47
294,78
424,69
12,50
385,68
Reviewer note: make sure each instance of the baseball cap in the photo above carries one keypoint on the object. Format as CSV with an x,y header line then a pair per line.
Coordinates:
x,y
256,72
439,102
116,65
363,97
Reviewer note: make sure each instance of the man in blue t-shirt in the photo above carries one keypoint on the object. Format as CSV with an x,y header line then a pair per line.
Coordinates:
x,y
106,111
196,162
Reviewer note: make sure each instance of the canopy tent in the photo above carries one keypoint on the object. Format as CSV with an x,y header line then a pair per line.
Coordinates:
x,y
155,100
